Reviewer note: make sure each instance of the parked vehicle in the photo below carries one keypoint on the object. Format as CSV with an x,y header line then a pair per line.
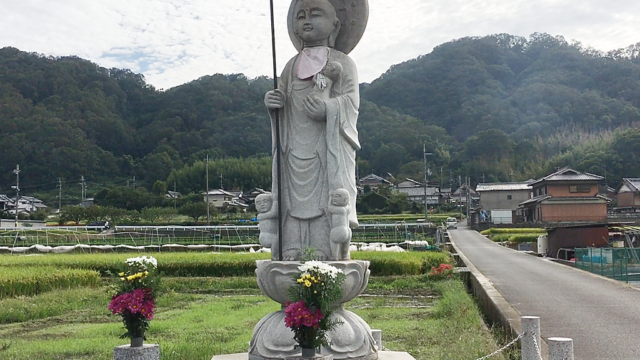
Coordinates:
x,y
452,223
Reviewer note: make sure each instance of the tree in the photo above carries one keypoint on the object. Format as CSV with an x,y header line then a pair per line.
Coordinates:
x,y
152,214
73,213
159,188
193,210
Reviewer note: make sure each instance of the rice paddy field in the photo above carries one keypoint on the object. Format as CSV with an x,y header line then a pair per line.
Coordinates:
x,y
55,306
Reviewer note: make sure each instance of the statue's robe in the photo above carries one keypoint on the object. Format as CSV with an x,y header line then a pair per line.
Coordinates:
x,y
317,156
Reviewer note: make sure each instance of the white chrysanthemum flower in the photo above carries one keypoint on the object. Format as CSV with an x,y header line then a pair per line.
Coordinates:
x,y
142,261
319,267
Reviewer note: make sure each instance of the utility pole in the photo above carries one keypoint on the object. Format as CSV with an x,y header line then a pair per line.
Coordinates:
x,y
207,172
426,205
59,194
17,187
468,197
460,194
84,189
175,195
134,183
221,187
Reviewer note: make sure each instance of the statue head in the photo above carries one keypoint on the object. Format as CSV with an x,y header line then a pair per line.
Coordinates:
x,y
339,197
263,203
316,23
332,70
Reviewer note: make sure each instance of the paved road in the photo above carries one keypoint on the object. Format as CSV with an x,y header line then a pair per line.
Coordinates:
x,y
601,316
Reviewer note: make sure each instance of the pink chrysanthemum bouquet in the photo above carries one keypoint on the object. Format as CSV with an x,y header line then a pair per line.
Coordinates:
x,y
134,301
316,292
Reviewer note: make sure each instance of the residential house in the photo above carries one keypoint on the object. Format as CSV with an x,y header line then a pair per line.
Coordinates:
x,y
250,197
445,195
498,201
374,181
33,202
218,197
503,196
460,195
416,192
26,204
222,199
608,192
172,195
87,202
5,202
628,196
565,196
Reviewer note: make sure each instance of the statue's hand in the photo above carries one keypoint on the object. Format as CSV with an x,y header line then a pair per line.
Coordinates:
x,y
315,107
274,99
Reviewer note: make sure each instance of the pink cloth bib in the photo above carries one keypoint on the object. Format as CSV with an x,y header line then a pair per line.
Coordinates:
x,y
312,61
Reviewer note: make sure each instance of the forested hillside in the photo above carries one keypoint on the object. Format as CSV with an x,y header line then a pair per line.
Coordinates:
x,y
500,107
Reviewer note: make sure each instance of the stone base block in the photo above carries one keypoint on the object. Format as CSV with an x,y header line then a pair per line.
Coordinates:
x,y
145,352
317,357
382,355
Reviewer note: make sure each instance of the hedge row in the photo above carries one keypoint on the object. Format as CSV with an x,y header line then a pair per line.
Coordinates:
x,y
26,281
220,265
494,231
517,238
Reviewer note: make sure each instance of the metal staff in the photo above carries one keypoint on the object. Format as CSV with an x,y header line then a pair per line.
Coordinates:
x,y
277,115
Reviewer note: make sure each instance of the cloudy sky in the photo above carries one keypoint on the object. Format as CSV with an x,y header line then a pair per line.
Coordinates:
x,y
175,41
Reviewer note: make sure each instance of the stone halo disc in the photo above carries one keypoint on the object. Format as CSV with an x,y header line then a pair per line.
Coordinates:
x,y
353,15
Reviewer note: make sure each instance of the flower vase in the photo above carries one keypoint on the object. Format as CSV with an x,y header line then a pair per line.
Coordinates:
x,y
308,352
137,341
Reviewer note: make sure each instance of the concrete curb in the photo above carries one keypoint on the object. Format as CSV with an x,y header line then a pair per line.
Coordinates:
x,y
493,304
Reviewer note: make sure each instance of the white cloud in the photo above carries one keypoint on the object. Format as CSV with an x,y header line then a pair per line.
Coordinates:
x,y
175,41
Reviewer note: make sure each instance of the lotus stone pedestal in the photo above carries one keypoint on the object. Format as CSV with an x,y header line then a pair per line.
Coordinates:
x,y
273,340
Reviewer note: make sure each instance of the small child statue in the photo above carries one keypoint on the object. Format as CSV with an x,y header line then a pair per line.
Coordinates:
x,y
267,220
340,235
325,79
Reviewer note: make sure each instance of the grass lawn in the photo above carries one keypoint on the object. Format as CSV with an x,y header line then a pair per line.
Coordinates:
x,y
198,318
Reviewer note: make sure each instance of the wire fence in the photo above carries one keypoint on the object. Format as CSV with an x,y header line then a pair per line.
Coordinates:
x,y
616,263
228,235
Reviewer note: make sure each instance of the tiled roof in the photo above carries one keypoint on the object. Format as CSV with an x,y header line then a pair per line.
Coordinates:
x,y
373,178
419,191
535,199
541,198
633,183
502,187
568,174
411,181
219,192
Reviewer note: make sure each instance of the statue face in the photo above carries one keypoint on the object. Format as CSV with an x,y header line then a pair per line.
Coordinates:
x,y
263,203
315,20
338,199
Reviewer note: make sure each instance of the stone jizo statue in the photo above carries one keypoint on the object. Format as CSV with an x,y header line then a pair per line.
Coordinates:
x,y
340,232
318,100
267,220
